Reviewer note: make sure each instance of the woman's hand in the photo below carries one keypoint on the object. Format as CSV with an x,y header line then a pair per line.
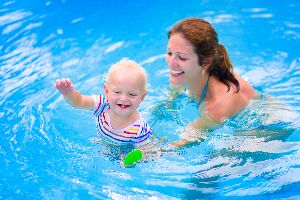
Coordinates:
x,y
196,131
180,143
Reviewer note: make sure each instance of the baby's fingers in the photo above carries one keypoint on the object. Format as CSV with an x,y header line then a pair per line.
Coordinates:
x,y
69,82
57,83
63,81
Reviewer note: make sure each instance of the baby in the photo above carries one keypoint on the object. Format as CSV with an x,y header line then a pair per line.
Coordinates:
x,y
118,120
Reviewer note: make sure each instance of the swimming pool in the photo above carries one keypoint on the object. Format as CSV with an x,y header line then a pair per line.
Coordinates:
x,y
48,149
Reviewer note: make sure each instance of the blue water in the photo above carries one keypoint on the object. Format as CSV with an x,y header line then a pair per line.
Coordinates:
x,y
48,149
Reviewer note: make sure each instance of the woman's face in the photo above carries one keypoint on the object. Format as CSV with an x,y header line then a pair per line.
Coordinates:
x,y
183,61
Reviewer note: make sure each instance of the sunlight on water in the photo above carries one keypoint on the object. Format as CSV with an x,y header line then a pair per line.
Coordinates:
x,y
50,150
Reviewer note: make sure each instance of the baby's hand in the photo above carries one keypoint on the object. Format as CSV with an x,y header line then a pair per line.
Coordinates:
x,y
64,85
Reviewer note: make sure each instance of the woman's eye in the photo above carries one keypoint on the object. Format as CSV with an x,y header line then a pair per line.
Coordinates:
x,y
169,53
181,58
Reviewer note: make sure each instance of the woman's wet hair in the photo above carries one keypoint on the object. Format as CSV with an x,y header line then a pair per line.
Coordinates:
x,y
204,39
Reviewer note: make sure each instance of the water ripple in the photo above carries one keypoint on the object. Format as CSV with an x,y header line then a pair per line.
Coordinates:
x,y
45,146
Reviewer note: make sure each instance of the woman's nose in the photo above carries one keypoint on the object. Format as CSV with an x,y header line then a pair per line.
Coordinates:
x,y
171,60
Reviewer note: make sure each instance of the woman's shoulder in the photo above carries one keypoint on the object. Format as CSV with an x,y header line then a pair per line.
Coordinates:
x,y
218,109
226,104
245,87
223,103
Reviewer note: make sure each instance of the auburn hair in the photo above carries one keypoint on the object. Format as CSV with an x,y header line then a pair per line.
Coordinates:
x,y
204,39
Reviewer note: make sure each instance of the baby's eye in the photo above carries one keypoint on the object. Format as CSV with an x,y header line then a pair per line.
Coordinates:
x,y
132,94
117,92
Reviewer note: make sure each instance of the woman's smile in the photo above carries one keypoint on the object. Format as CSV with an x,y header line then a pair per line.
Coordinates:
x,y
177,73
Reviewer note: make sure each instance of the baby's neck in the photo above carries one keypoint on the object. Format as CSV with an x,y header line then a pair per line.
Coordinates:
x,y
119,122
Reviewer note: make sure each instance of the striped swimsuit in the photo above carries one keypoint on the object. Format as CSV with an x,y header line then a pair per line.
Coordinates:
x,y
135,133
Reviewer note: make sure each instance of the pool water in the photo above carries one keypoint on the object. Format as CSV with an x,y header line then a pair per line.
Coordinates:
x,y
49,150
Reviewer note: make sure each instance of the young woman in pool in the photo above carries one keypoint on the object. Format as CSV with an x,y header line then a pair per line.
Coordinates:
x,y
199,63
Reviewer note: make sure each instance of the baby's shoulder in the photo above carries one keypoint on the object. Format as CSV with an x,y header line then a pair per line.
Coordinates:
x,y
100,104
145,127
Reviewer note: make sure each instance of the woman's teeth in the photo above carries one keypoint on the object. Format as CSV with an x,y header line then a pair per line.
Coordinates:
x,y
174,72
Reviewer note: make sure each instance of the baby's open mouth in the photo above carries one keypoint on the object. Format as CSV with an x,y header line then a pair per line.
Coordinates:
x,y
123,105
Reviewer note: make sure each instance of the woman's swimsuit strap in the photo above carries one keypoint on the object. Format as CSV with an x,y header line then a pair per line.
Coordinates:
x,y
203,93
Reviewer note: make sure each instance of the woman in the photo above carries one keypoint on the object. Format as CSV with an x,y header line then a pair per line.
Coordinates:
x,y
200,64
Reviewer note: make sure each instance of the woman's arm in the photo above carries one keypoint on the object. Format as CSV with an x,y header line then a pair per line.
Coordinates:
x,y
196,131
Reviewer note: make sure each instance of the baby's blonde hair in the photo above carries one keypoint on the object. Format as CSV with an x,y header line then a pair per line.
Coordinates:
x,y
126,65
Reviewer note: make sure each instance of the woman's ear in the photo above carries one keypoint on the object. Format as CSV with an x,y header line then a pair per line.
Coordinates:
x,y
207,62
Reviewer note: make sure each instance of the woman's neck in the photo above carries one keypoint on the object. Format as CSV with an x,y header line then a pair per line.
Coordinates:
x,y
197,86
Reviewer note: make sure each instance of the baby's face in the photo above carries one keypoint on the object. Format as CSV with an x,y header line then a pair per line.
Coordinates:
x,y
125,91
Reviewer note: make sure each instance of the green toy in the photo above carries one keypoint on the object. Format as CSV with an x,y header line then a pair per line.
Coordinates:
x,y
133,157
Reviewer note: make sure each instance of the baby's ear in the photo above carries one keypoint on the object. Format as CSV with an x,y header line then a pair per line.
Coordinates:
x,y
105,89
144,95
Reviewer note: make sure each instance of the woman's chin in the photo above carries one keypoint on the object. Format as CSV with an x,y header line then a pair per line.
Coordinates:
x,y
175,81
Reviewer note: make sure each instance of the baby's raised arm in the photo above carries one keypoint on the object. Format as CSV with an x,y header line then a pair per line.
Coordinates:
x,y
73,97
64,85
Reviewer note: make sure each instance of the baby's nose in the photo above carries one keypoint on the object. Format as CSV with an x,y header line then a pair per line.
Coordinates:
x,y
123,97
